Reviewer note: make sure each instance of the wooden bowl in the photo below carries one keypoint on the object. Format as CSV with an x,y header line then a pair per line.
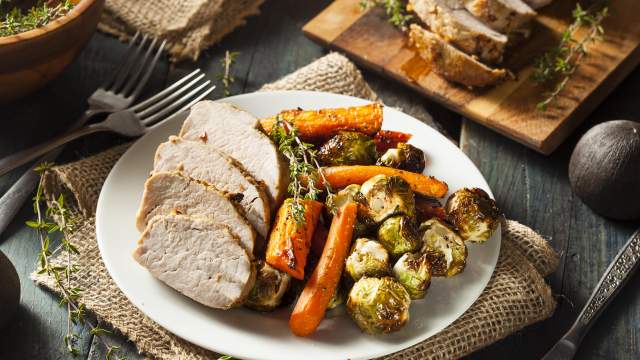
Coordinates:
x,y
30,59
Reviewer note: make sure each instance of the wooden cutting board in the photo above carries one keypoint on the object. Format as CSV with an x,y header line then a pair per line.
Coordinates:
x,y
509,108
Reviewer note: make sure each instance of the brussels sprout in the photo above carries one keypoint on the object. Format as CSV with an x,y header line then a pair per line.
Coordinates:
x,y
398,235
443,247
339,297
368,258
473,213
348,148
349,194
405,157
413,271
271,284
379,305
387,196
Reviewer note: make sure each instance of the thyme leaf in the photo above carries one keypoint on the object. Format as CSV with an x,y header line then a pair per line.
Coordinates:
x,y
560,63
15,20
226,76
395,10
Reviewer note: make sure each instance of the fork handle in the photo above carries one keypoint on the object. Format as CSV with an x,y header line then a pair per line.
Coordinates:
x,y
13,161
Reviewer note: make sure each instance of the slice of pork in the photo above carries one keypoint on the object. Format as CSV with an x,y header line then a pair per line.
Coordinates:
x,y
456,25
537,4
198,257
236,132
166,193
206,163
451,63
505,16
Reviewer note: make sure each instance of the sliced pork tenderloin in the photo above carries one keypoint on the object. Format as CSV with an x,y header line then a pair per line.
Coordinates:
x,y
505,16
451,63
206,163
166,193
236,132
456,25
199,258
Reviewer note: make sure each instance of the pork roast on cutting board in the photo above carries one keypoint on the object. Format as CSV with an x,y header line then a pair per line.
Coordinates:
x,y
236,133
203,162
167,193
198,257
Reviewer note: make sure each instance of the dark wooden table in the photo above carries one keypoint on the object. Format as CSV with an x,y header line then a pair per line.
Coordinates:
x,y
529,187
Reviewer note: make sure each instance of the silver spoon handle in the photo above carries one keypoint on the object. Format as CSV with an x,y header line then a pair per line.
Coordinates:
x,y
617,274
12,161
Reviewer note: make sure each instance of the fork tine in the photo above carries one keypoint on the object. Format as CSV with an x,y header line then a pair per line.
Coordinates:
x,y
162,103
185,107
130,63
109,83
150,120
147,74
135,74
146,103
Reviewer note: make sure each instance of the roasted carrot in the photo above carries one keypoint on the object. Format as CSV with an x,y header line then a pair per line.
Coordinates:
x,y
289,243
320,287
319,239
341,176
320,125
387,139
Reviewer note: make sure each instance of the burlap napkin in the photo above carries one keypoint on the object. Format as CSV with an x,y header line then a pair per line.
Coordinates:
x,y
188,25
515,297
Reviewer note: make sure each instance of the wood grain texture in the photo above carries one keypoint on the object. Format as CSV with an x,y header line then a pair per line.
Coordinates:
x,y
509,108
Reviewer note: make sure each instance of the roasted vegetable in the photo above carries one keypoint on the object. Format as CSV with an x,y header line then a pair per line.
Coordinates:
x,y
379,305
387,139
429,208
319,125
339,297
387,196
349,194
473,213
404,157
348,148
398,235
413,271
341,176
289,242
368,258
443,247
323,282
271,284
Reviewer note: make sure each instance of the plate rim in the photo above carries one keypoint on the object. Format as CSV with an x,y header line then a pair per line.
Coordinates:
x,y
220,348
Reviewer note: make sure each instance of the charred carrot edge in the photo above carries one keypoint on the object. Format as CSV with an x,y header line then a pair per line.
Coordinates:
x,y
341,176
289,244
318,291
388,139
318,125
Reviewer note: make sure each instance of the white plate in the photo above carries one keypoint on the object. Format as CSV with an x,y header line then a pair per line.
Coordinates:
x,y
247,334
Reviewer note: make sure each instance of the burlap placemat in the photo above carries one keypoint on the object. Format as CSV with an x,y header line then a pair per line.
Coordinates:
x,y
515,297
188,25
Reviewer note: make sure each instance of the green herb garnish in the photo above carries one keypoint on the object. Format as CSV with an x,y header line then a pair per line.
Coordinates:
x,y
395,10
304,169
561,62
63,223
15,20
226,76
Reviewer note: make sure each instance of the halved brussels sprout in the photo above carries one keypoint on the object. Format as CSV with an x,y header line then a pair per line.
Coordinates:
x,y
368,258
348,148
404,156
413,271
443,247
387,196
271,284
349,194
473,213
379,305
398,235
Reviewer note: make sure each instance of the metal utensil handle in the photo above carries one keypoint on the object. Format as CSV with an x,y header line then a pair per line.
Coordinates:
x,y
614,278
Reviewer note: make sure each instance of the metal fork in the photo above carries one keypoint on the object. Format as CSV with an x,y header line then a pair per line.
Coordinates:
x,y
119,92
132,122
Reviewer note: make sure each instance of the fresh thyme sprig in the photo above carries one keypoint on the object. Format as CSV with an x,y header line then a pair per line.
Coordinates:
x,y
16,21
226,76
304,169
63,224
395,10
561,62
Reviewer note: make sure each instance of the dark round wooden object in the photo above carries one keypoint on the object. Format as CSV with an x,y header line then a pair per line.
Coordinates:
x,y
604,169
9,290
